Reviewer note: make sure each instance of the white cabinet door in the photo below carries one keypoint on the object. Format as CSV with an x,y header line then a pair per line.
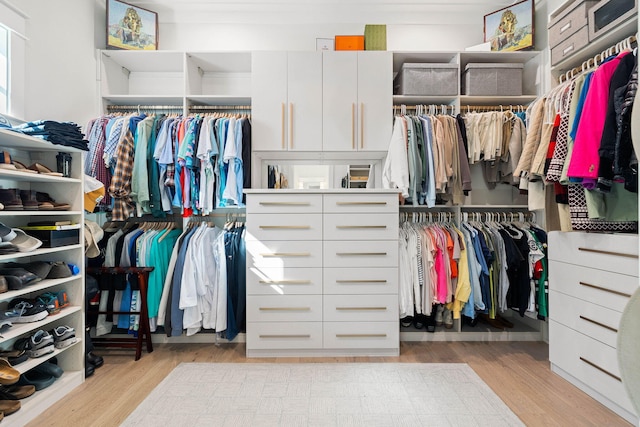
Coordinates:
x,y
375,100
269,101
304,108
340,101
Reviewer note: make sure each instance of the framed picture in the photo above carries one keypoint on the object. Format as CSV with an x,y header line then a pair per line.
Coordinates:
x,y
325,44
131,27
510,28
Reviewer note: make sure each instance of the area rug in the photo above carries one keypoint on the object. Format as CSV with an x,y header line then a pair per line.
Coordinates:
x,y
322,394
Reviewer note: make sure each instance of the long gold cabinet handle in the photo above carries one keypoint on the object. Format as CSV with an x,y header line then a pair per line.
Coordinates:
x,y
283,134
600,288
361,253
285,254
284,336
285,282
361,281
361,335
285,227
361,308
595,322
290,126
285,204
360,203
353,126
590,363
361,226
285,308
361,125
598,251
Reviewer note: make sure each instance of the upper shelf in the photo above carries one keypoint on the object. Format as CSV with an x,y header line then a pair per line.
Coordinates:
x,y
20,141
16,175
615,35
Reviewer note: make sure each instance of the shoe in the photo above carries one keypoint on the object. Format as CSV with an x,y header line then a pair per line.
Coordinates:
x,y
504,322
95,360
48,368
466,320
491,322
4,286
8,407
45,197
6,233
59,270
15,357
63,336
37,345
26,311
36,379
439,314
10,198
39,268
447,318
25,242
21,167
54,301
29,201
406,321
43,170
89,369
18,278
8,374
19,391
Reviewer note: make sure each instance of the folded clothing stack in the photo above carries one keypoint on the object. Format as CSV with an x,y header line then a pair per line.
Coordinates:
x,y
59,133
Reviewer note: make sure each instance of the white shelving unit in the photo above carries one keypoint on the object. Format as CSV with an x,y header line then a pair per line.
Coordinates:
x,y
71,359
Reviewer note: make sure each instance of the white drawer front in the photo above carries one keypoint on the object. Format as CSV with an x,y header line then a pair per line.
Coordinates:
x,y
597,286
616,253
284,203
284,335
374,253
284,308
361,335
363,203
592,320
360,227
284,227
280,281
360,281
577,354
360,308
282,254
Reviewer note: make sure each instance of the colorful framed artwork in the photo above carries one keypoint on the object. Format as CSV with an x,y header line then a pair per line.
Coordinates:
x,y
510,28
131,27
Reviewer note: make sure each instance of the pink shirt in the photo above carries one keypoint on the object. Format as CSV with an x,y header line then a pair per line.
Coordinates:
x,y
585,158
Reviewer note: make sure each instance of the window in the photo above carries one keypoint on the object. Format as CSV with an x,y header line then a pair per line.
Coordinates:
x,y
4,70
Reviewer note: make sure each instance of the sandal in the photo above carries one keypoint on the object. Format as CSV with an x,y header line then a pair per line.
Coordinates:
x,y
8,374
22,168
43,170
45,199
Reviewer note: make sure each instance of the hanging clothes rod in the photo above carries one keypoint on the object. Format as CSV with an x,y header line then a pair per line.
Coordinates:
x,y
115,108
593,62
219,107
228,214
488,108
415,107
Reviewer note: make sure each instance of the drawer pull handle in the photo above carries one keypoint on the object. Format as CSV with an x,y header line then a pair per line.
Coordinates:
x,y
599,324
285,204
362,308
360,203
605,289
361,253
600,369
288,227
565,27
284,336
285,308
282,115
361,226
285,282
597,251
286,254
361,335
361,281
567,50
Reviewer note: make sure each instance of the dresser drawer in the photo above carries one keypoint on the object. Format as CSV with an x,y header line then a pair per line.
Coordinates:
x,y
284,335
588,360
284,308
361,203
360,227
360,281
361,335
617,253
284,227
571,45
360,308
284,203
283,254
374,253
599,287
280,281
595,321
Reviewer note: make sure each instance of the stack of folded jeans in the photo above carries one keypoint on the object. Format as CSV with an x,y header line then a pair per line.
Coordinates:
x,y
59,133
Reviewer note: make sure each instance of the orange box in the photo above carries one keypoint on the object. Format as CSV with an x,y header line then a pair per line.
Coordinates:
x,y
349,42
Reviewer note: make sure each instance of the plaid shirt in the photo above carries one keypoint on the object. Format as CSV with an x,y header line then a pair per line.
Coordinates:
x,y
120,188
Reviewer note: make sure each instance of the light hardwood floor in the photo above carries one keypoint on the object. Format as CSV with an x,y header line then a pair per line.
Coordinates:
x,y
517,371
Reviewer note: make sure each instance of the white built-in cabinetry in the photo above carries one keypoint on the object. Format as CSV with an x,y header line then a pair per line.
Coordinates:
x,y
322,273
591,278
70,190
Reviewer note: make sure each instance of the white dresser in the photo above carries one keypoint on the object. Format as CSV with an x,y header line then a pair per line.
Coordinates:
x,y
591,278
322,273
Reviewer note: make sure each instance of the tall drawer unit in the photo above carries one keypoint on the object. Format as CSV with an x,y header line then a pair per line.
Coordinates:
x,y
591,278
322,273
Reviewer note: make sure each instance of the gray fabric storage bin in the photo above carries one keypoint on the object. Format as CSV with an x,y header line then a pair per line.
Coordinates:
x,y
427,79
488,79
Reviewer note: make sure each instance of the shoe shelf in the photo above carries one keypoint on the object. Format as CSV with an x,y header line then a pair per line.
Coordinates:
x,y
39,213
43,399
37,287
41,251
20,329
33,362
35,177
